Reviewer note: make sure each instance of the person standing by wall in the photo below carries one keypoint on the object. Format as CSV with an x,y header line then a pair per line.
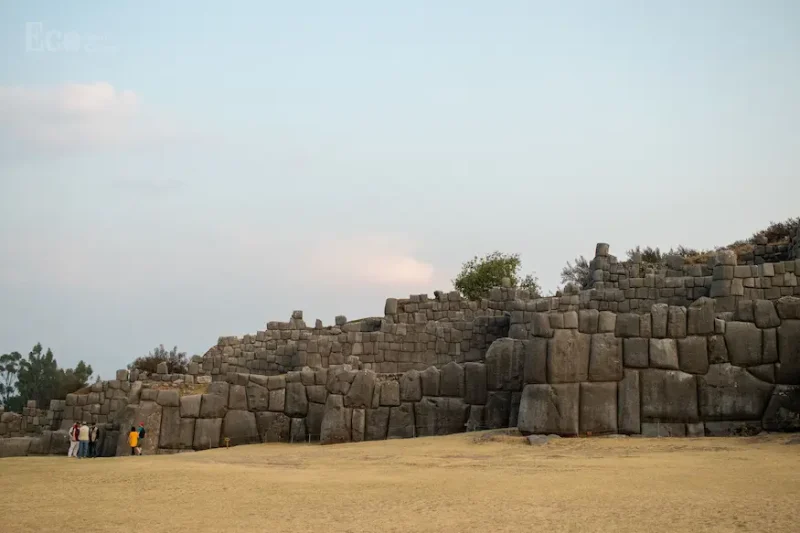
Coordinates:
x,y
94,432
140,440
83,441
73,440
133,440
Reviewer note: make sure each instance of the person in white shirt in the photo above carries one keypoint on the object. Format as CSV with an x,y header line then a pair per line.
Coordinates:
x,y
73,440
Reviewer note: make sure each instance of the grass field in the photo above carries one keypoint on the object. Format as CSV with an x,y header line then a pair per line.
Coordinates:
x,y
453,484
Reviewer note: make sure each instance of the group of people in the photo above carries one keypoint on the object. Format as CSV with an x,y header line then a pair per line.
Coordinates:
x,y
83,440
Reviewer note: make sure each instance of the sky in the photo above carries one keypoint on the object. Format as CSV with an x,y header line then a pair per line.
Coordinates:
x,y
192,169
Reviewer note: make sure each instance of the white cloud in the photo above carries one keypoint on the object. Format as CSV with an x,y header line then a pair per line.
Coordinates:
x,y
77,115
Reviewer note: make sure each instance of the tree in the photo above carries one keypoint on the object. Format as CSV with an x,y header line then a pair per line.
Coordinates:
x,y
38,377
579,273
71,380
649,255
9,366
478,275
177,363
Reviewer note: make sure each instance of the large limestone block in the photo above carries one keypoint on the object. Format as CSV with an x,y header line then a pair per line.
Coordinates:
x,y
40,444
659,314
717,350
497,412
377,423
168,398
187,433
765,314
668,396
237,398
390,394
15,446
219,387
316,412
676,322
701,315
337,421
588,320
549,409
636,352
663,429
190,406
568,356
429,380
693,354
358,424
440,416
257,397
598,408
148,413
605,360
788,308
296,404
783,411
451,380
728,392
743,340
788,368
628,404
475,383
534,363
277,400
401,422
504,365
206,433
475,422
607,322
213,406
240,427
664,354
297,430
170,432
360,393
410,387
316,393
273,427
627,325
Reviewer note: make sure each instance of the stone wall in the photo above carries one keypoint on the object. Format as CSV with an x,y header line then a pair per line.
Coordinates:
x,y
32,420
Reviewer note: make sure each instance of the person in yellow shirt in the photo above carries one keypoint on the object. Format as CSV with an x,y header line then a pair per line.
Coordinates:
x,y
133,440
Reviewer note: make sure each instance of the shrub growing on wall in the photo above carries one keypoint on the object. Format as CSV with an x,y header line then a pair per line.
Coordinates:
x,y
480,274
177,363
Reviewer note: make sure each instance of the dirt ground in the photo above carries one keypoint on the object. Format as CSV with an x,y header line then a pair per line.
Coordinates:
x,y
444,484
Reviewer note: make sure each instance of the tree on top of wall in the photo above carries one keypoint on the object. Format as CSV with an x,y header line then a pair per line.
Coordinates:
x,y
177,362
480,274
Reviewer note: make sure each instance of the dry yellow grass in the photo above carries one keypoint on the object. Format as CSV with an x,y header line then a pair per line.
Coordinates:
x,y
443,484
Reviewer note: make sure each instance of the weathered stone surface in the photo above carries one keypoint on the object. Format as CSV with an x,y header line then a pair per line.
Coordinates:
x,y
149,395
659,314
627,325
15,446
628,404
605,360
358,424
717,350
788,308
728,392
410,387
168,398
219,387
148,413
696,430
701,316
475,383
598,408
664,354
440,416
240,427
743,340
212,406
497,412
273,427
513,419
277,400
190,406
765,314
504,364
390,394
360,393
550,409
588,320
451,380
606,322
59,443
186,438
297,430
316,413
636,352
568,357
475,422
732,428
663,429
40,444
693,354
170,431
377,423
668,396
783,410
401,422
788,370
237,398
337,421
765,373
769,345
206,433
316,393
534,362
676,322
276,382
429,380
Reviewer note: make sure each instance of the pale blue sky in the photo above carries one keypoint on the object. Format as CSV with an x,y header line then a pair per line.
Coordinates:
x,y
206,167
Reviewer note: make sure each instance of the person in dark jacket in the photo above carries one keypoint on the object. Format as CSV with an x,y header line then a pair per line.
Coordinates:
x,y
141,438
94,432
